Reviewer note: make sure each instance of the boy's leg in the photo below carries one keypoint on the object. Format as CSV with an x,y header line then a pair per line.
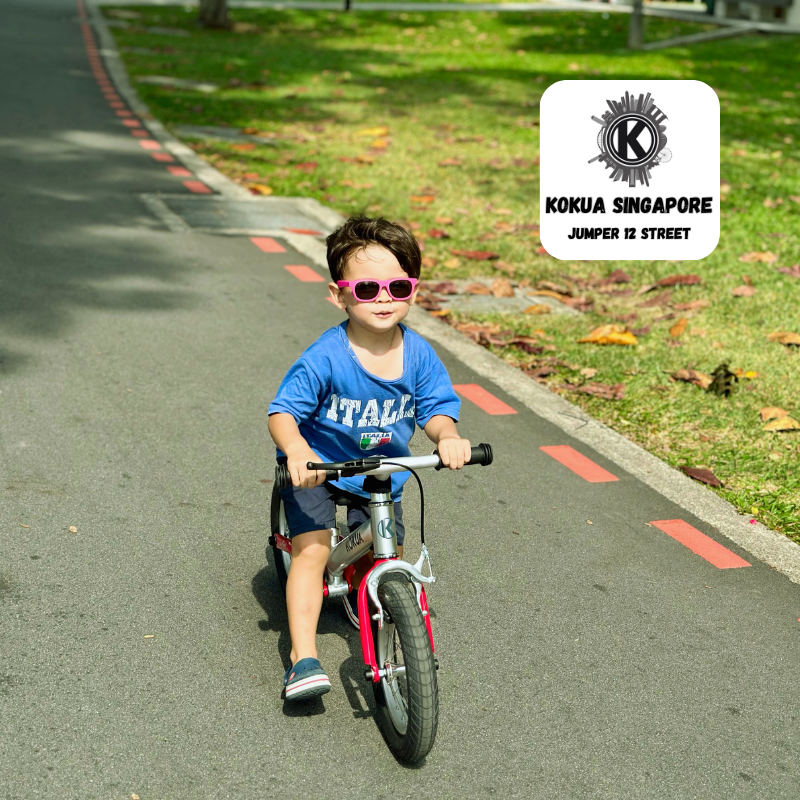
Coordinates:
x,y
310,553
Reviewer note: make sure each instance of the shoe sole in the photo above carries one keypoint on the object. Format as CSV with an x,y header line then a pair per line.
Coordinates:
x,y
313,686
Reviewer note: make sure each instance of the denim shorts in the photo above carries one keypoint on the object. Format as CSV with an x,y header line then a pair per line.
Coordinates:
x,y
314,510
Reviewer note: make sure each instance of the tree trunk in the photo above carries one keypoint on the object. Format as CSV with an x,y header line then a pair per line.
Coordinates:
x,y
636,29
214,14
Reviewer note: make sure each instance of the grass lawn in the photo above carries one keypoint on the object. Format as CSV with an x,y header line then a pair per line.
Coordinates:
x,y
431,119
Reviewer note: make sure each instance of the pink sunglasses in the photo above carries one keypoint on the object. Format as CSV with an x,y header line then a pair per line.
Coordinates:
x,y
367,290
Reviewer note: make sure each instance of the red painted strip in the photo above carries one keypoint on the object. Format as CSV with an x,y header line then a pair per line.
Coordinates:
x,y
179,172
149,144
704,546
579,464
483,399
267,244
117,104
198,187
124,113
304,273
162,156
307,231
140,132
132,123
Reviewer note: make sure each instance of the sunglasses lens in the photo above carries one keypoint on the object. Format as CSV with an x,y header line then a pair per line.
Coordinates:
x,y
400,289
366,290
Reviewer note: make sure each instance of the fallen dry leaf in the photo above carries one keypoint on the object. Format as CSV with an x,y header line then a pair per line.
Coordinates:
x,y
678,328
451,263
618,276
760,257
538,308
747,374
743,291
443,220
610,334
504,266
444,287
679,280
793,271
149,636
306,166
450,162
785,337
693,376
703,475
695,305
429,261
476,255
782,424
381,130
244,147
438,233
24,526
260,189
476,288
772,412
422,198
379,144
501,287
589,372
602,390
73,529
549,293
365,159
661,299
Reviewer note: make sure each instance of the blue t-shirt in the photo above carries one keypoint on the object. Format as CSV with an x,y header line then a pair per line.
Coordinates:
x,y
345,412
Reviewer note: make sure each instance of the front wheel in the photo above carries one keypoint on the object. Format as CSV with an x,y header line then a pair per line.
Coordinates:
x,y
281,558
407,697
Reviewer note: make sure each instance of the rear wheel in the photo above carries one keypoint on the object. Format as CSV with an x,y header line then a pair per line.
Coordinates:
x,y
407,696
280,558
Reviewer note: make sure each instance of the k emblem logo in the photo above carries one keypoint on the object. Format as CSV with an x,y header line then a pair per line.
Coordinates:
x,y
632,139
386,529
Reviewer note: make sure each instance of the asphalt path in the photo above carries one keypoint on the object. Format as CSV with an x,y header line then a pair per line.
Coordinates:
x,y
143,652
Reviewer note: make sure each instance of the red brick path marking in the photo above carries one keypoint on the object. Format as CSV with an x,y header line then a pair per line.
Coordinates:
x,y
483,399
179,172
267,244
198,187
162,156
149,144
304,273
306,231
704,546
578,463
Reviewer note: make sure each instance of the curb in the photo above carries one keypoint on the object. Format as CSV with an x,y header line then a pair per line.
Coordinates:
x,y
766,545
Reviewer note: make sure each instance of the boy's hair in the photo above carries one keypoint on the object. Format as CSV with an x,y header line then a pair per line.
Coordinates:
x,y
360,232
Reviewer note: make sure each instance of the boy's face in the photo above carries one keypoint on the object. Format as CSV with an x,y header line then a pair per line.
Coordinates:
x,y
383,313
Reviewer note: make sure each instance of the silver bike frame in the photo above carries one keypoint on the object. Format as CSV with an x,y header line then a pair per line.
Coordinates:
x,y
384,544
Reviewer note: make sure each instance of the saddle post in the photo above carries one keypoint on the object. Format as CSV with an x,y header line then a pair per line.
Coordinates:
x,y
381,511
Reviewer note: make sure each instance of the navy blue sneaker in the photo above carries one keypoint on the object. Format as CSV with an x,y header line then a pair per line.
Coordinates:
x,y
350,602
305,679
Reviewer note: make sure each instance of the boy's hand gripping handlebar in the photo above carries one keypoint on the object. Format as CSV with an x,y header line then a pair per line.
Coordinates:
x,y
481,454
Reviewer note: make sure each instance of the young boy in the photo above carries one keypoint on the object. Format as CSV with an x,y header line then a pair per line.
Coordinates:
x,y
360,387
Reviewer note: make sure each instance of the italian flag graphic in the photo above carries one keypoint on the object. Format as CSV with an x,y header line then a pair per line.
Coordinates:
x,y
369,441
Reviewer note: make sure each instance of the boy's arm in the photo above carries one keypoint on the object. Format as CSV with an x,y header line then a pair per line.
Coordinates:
x,y
286,435
453,450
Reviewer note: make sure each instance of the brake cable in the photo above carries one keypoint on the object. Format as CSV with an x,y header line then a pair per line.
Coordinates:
x,y
421,498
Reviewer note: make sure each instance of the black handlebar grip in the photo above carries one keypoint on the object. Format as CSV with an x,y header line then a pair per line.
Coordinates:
x,y
282,477
482,454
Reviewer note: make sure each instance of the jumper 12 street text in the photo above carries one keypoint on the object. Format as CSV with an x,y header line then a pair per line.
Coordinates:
x,y
629,233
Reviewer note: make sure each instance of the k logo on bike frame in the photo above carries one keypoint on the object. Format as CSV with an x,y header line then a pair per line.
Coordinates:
x,y
632,139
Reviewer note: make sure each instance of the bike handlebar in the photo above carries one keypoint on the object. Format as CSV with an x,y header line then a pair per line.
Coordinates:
x,y
480,454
